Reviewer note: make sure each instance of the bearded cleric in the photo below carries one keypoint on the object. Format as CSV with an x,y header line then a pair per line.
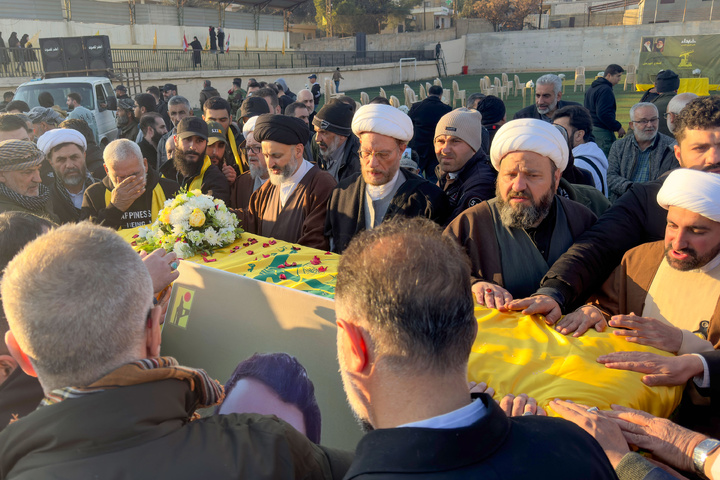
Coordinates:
x,y
293,204
514,238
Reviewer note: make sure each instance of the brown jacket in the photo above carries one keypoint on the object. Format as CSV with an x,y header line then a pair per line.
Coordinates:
x,y
241,191
312,194
626,288
473,229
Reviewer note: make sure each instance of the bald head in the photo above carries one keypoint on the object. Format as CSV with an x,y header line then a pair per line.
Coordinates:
x,y
306,97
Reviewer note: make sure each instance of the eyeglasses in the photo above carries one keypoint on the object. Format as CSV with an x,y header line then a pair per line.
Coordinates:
x,y
646,121
381,156
253,150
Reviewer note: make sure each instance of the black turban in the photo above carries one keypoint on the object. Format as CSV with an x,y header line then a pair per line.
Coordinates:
x,y
281,129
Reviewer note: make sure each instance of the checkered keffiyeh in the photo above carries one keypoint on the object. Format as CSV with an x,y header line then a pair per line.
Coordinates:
x,y
209,392
18,155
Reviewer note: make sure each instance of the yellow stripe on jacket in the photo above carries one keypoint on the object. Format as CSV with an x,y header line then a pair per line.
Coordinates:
x,y
158,201
233,146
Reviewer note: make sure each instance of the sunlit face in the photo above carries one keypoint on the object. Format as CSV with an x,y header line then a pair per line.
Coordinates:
x,y
253,396
170,147
220,116
691,240
138,110
68,162
177,113
256,160
645,124
216,152
452,152
614,78
193,147
575,135
358,401
379,157
546,99
306,97
40,128
126,168
282,160
328,142
700,150
25,182
19,134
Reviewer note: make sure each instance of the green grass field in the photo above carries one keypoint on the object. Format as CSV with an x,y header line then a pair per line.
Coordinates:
x,y
471,84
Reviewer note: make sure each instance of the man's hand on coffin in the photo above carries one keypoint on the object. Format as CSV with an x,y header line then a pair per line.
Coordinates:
x,y
648,331
491,295
538,305
660,370
581,320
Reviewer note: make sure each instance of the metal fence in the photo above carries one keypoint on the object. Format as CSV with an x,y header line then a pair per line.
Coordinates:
x,y
25,62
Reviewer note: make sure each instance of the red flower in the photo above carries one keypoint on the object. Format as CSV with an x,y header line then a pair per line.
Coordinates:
x,y
283,277
322,269
315,260
133,244
249,252
265,256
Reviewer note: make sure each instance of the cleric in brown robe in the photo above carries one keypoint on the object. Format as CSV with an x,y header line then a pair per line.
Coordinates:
x,y
513,238
293,204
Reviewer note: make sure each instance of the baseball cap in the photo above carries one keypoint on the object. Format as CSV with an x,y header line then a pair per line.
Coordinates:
x,y
122,88
312,76
168,87
215,133
190,126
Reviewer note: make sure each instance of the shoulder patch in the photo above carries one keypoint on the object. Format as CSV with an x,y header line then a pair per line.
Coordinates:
x,y
474,201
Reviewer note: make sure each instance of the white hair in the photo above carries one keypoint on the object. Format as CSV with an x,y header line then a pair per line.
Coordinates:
x,y
551,79
77,299
121,150
641,105
679,101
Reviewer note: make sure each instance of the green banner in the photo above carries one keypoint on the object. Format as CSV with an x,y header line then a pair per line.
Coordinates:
x,y
682,54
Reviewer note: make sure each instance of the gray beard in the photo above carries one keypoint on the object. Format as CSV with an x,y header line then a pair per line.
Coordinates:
x,y
524,217
256,171
287,172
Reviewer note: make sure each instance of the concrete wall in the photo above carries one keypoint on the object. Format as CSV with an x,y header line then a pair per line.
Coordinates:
x,y
366,77
376,43
140,36
565,49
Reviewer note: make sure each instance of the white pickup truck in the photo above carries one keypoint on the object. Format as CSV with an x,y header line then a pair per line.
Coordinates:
x,y
96,92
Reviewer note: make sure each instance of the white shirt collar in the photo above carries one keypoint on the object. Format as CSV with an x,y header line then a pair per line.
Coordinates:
x,y
376,192
288,186
462,417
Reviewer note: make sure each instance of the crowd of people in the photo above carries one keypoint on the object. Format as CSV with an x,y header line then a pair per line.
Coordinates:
x,y
559,211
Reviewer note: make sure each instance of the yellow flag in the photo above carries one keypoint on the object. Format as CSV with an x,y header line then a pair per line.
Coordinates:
x,y
33,40
98,32
207,43
246,44
324,21
155,41
266,43
283,49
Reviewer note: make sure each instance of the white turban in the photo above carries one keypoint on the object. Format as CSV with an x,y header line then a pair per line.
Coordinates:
x,y
249,125
692,190
383,119
55,137
530,135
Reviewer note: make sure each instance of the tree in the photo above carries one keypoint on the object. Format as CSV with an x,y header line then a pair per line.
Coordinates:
x,y
502,14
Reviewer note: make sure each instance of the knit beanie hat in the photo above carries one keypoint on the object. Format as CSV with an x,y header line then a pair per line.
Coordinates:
x,y
492,109
253,106
335,117
667,81
463,123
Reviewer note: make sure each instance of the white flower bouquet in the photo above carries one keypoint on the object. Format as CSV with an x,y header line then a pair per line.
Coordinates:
x,y
189,224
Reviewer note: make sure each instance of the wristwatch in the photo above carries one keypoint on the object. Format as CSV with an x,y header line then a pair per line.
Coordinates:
x,y
701,452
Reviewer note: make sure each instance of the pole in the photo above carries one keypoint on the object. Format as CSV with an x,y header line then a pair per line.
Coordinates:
x,y
424,15
656,7
684,10
540,17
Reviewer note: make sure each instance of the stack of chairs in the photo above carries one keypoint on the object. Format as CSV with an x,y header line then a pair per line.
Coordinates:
x,y
458,95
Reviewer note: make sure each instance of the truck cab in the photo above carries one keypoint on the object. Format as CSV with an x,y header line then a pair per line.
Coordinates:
x,y
97,96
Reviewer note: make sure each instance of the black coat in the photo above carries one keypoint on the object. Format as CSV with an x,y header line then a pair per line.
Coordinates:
x,y
493,448
346,214
425,116
213,181
531,111
20,395
600,100
636,218
213,39
475,182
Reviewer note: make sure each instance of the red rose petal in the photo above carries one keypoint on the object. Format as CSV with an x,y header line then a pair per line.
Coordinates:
x,y
328,253
246,244
281,266
272,242
294,264
134,244
265,245
283,277
322,269
136,236
265,256
315,260
249,252
296,248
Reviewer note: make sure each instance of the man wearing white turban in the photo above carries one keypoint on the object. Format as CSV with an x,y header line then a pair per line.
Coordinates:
x,y
257,174
513,238
382,190
65,150
666,293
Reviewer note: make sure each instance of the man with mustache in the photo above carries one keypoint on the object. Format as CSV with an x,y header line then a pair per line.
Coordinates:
x,y
665,293
642,156
191,168
513,238
293,204
548,94
335,140
153,129
256,176
65,150
21,187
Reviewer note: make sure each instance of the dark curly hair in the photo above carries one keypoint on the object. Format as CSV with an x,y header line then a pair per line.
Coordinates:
x,y
701,114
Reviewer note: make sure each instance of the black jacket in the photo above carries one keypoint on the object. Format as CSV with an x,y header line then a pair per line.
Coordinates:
x,y
207,92
600,100
531,111
475,182
315,90
98,211
149,152
346,214
213,181
636,218
20,395
425,116
162,109
350,161
493,448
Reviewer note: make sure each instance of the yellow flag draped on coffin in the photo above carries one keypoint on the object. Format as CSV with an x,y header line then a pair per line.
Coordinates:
x,y
158,200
